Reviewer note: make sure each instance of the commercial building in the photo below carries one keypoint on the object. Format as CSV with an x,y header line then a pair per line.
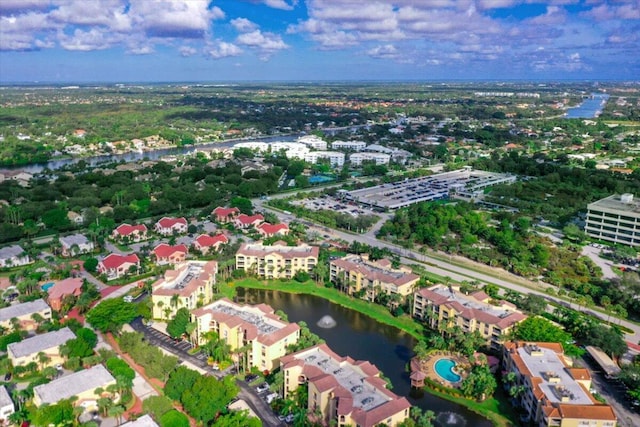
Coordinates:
x,y
346,392
357,274
6,405
13,256
335,158
615,219
24,352
256,328
277,260
75,244
81,384
445,306
348,145
190,285
555,393
356,159
24,314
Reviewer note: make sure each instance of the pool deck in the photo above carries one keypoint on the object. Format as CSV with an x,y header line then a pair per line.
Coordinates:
x,y
426,366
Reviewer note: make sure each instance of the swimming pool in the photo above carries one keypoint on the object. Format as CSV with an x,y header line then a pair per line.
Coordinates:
x,y
444,369
47,286
318,179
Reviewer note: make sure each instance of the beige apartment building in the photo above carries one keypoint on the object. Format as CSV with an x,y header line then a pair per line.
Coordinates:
x,y
276,261
81,384
556,394
24,352
445,307
190,286
357,274
257,328
346,392
23,314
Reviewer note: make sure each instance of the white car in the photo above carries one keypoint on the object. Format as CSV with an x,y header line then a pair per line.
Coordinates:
x,y
262,388
128,298
271,397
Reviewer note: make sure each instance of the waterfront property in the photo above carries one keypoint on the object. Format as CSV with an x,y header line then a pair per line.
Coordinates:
x,y
343,390
555,393
24,314
167,254
256,328
615,219
81,384
13,256
167,226
190,285
445,306
6,404
116,265
277,260
24,352
131,233
71,286
75,244
357,274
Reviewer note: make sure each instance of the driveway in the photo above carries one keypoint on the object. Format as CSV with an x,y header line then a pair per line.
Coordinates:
x,y
605,265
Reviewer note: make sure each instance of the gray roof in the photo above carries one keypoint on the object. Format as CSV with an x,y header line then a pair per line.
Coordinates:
x,y
143,421
5,399
74,384
74,239
23,309
10,251
40,342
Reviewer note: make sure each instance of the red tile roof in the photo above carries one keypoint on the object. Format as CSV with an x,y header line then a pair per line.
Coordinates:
x,y
205,240
167,222
221,212
126,229
271,229
70,286
248,220
116,260
163,250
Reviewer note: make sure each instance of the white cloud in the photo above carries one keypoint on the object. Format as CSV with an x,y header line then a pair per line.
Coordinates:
x,y
92,39
21,6
281,4
174,18
222,50
265,43
243,25
187,51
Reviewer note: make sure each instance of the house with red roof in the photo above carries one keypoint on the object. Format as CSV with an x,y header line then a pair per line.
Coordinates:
x,y
132,233
167,254
205,243
62,289
168,226
116,265
269,230
244,222
224,215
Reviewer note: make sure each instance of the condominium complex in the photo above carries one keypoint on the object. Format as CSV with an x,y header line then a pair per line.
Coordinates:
x,y
357,159
556,394
615,219
344,391
25,314
190,285
276,261
43,350
256,328
357,274
348,145
445,306
335,158
314,142
82,384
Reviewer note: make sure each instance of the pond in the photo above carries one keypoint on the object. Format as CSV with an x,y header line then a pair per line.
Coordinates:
x,y
361,337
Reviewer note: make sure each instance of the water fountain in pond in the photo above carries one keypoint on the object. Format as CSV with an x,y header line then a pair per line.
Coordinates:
x,y
327,322
450,419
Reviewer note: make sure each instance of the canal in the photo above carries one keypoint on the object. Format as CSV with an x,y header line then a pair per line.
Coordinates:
x,y
361,337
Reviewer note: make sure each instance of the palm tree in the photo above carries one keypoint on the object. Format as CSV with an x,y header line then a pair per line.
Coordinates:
x,y
43,359
116,411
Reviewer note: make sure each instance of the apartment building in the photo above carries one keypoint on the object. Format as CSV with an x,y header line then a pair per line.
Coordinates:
x,y
314,142
556,394
277,260
335,158
189,285
6,404
357,274
356,159
444,306
615,219
24,352
24,314
348,145
345,391
81,384
256,328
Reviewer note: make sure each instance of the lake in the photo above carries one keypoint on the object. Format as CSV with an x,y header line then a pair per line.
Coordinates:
x,y
591,107
361,337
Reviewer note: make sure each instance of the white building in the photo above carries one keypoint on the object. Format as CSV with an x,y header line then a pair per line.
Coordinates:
x,y
13,256
348,145
336,159
356,159
75,244
6,404
293,150
615,219
313,141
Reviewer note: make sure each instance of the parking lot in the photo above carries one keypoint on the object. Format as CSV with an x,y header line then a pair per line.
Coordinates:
x,y
332,204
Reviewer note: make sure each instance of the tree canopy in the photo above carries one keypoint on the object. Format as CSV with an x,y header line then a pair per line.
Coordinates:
x,y
111,314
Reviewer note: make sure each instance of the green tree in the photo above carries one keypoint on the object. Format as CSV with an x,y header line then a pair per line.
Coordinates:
x,y
237,418
180,380
479,383
244,204
540,329
60,413
173,418
111,314
157,406
178,325
209,397
91,264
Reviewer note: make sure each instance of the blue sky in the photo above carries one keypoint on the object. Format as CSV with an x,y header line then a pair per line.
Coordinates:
x,y
68,41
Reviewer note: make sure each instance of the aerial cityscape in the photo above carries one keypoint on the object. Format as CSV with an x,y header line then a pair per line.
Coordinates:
x,y
318,213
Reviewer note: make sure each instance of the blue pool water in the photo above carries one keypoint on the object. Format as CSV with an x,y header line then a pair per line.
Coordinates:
x,y
318,179
444,368
47,286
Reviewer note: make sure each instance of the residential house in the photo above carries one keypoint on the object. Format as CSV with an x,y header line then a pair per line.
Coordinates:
x,y
6,405
269,230
168,226
244,222
277,260
56,294
256,328
356,274
21,177
205,243
143,421
555,392
13,256
344,391
75,244
167,254
224,215
189,285
82,385
445,306
116,265
130,233
24,352
24,314
75,218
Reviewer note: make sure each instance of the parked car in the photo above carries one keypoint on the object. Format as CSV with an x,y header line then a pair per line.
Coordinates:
x,y
250,378
262,388
128,298
271,397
